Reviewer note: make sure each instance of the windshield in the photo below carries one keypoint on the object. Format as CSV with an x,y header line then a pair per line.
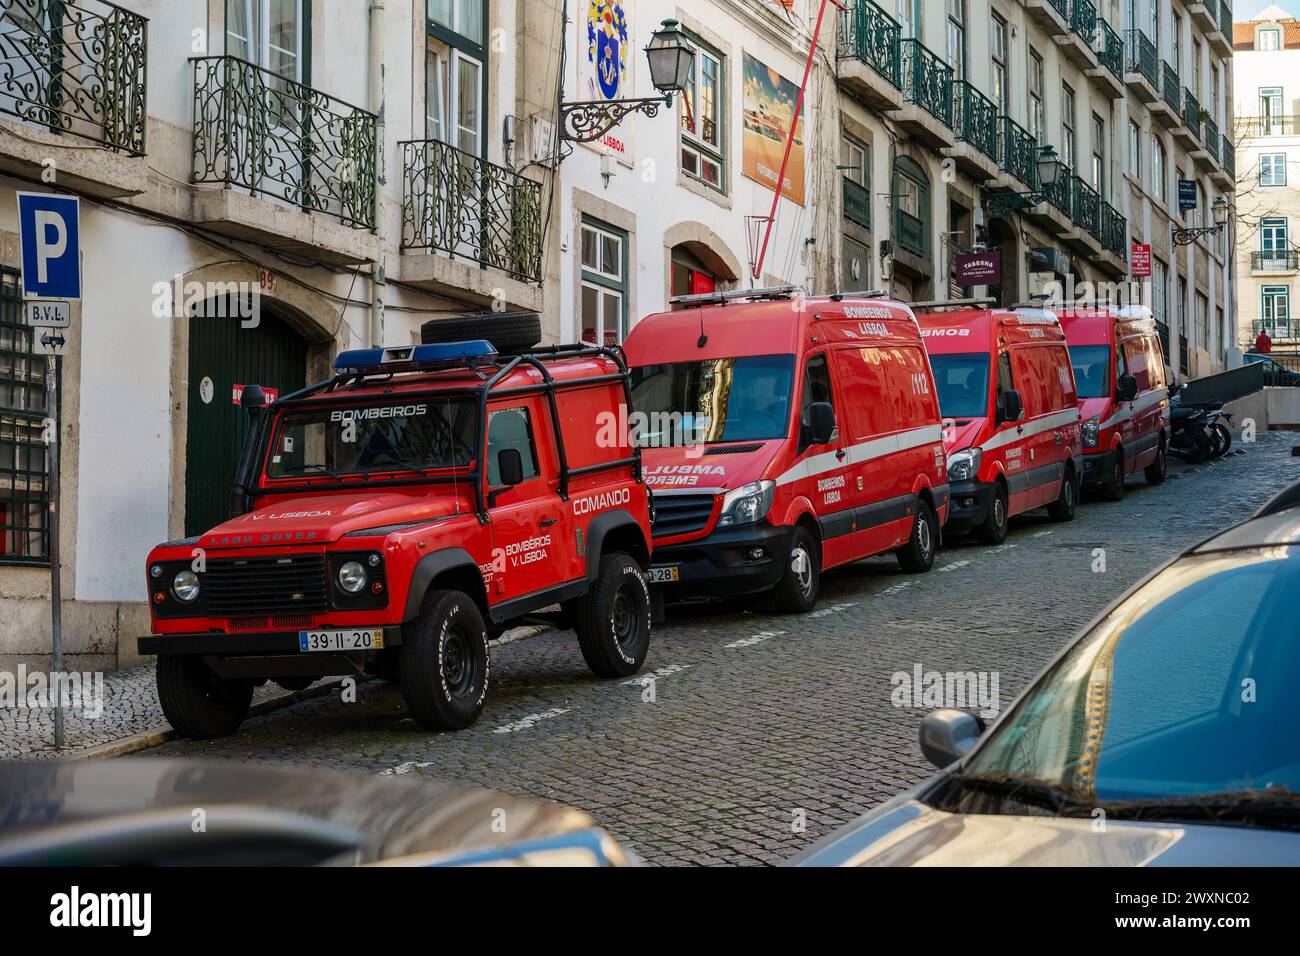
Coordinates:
x,y
1186,690
334,441
1091,370
963,382
713,400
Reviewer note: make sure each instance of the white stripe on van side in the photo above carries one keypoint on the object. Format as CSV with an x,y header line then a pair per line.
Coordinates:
x,y
863,452
1015,433
1141,405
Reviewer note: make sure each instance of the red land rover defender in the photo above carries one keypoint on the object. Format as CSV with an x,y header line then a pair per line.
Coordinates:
x,y
1119,368
783,436
1011,416
393,518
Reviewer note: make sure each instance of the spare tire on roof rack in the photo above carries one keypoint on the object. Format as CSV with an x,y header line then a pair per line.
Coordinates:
x,y
509,332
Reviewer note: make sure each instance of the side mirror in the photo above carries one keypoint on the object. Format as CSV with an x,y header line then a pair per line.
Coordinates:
x,y
947,735
821,423
510,466
1012,406
1127,388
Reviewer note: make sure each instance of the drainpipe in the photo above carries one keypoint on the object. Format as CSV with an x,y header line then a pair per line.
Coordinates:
x,y
377,277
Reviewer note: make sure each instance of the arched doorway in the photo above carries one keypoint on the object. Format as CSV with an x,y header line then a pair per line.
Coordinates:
x,y
691,274
1003,238
228,351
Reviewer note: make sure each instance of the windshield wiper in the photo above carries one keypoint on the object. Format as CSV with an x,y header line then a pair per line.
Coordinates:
x,y
311,469
1277,804
1042,793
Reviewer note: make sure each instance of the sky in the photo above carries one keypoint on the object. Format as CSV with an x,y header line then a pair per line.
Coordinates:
x,y
1246,9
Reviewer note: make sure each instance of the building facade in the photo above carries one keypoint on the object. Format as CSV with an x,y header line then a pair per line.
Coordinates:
x,y
1268,204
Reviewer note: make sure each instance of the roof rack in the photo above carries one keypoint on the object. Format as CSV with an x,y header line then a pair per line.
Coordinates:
x,y
936,304
722,298
1284,500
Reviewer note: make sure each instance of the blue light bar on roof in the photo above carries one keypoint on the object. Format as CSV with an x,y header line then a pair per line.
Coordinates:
x,y
415,358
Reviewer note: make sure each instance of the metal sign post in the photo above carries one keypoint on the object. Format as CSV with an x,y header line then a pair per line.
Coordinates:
x,y
52,362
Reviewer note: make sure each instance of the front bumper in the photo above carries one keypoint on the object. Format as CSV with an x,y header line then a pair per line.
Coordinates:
x,y
968,503
720,565
250,643
1097,466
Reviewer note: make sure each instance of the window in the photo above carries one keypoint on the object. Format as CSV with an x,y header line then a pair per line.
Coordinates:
x,y
1160,295
857,194
1134,149
1099,155
1176,44
816,388
453,74
1202,211
1273,237
1272,111
1275,308
1037,125
1203,322
998,54
856,267
24,492
1178,178
1214,93
510,428
1159,166
604,283
1268,40
701,123
267,33
905,14
1068,150
912,207
957,38
1196,67
1272,169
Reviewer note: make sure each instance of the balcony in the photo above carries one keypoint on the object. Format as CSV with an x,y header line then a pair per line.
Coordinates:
x,y
297,165
1192,114
1052,15
1206,155
1085,213
1225,177
1017,155
1205,14
857,203
1109,71
74,74
975,120
1141,66
1114,240
870,55
457,209
1169,108
1221,37
1056,212
910,234
927,94
1076,45
1275,262
1258,127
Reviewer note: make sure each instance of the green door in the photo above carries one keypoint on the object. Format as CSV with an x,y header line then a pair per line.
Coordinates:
x,y
223,355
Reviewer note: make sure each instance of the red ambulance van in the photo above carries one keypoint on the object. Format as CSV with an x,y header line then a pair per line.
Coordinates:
x,y
1119,368
782,436
1011,414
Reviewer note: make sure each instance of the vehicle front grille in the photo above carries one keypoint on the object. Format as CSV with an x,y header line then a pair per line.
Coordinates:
x,y
733,449
248,587
681,514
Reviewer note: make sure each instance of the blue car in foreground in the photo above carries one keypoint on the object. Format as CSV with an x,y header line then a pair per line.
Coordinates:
x,y
1166,734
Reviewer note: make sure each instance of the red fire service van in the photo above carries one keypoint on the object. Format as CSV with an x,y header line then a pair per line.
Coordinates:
x,y
1119,368
395,517
1011,415
782,436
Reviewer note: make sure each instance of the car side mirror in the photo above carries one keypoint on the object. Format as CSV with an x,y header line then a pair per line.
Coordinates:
x,y
510,466
821,423
1127,388
947,735
1012,406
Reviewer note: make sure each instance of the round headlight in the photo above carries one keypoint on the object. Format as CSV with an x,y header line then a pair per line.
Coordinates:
x,y
185,586
352,577
156,571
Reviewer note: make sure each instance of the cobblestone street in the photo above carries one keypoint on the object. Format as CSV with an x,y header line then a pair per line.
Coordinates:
x,y
755,719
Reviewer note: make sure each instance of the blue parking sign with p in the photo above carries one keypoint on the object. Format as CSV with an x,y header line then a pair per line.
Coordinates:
x,y
49,229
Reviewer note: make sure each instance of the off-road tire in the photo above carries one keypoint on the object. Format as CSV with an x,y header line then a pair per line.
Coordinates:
x,y
509,332
1158,470
1112,486
1064,507
612,620
917,556
997,520
443,668
796,592
196,702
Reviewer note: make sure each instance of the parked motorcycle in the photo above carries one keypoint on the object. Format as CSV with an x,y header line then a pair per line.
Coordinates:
x,y
1190,430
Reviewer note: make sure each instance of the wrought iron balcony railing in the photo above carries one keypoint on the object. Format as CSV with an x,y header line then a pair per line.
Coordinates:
x,y
1172,88
1017,151
1060,192
1250,127
1211,138
1114,231
1182,353
870,35
910,233
927,80
1142,57
1083,19
1229,158
276,137
1275,260
975,118
1225,20
1162,330
857,203
1086,204
1191,112
1109,48
461,205
76,67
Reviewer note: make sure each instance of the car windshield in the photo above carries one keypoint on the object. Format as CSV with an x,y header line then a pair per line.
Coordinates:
x,y
963,383
1184,693
712,400
1091,370
334,441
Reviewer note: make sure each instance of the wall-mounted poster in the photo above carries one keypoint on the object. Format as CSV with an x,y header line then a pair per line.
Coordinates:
x,y
605,60
769,110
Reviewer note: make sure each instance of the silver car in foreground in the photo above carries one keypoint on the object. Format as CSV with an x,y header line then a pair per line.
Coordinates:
x,y
1166,734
